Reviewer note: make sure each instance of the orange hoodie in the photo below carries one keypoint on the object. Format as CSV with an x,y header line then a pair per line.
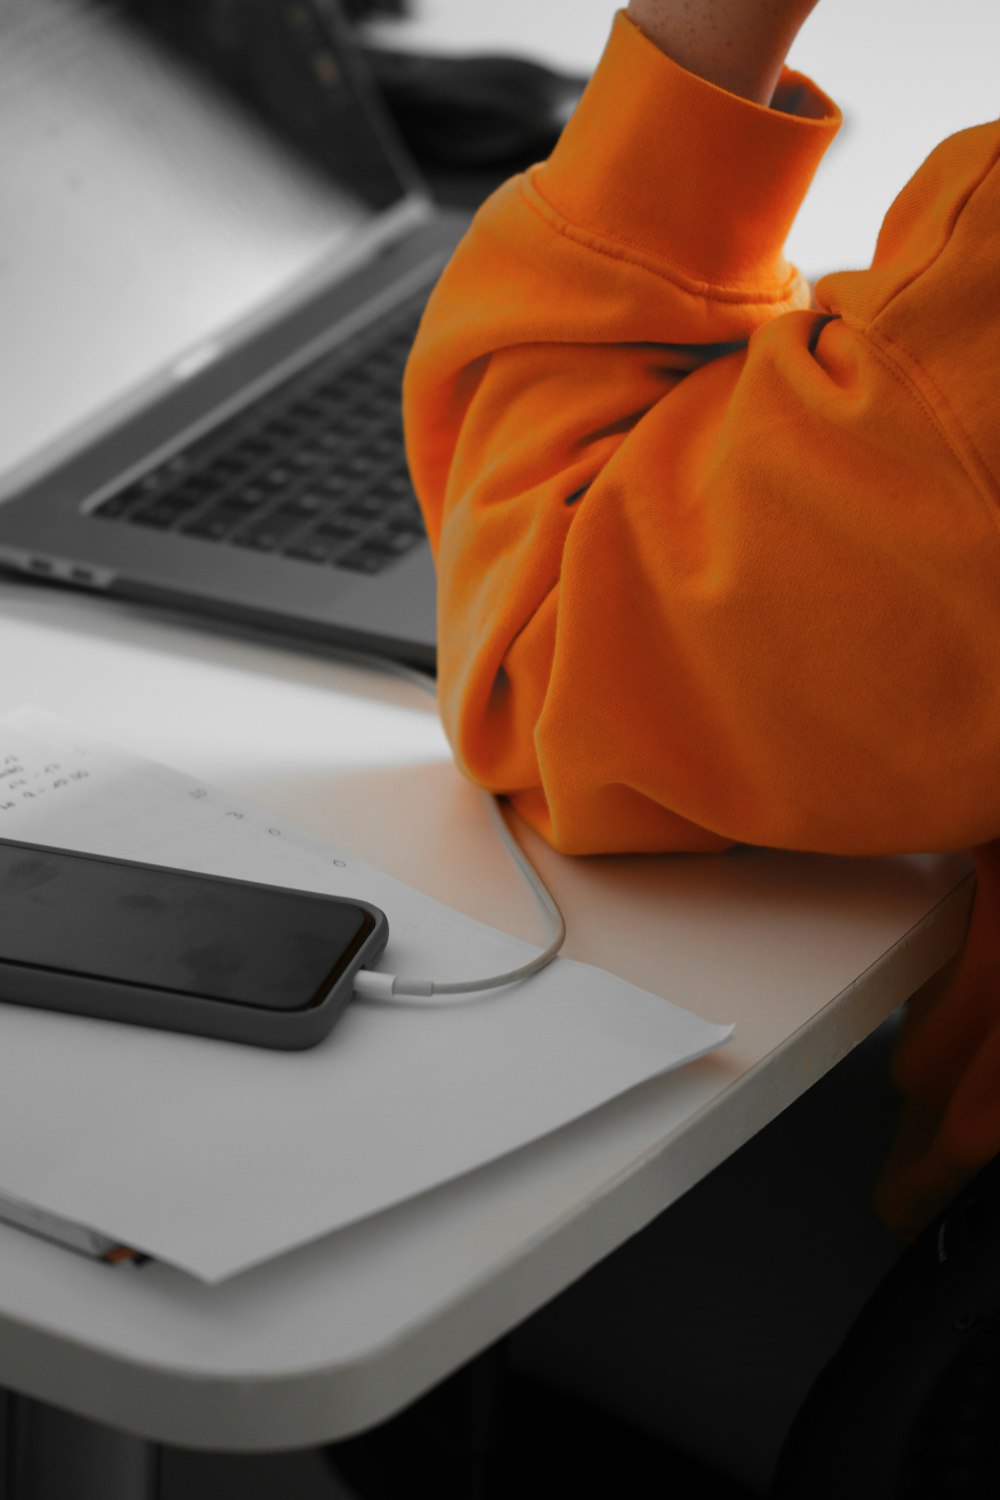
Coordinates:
x,y
718,558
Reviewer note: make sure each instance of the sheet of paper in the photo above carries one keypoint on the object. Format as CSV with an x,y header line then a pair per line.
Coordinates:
x,y
214,1156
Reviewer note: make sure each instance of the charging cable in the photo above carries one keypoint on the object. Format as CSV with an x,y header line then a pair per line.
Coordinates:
x,y
370,984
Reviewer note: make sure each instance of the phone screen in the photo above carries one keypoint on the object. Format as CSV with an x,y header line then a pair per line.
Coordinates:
x,y
198,935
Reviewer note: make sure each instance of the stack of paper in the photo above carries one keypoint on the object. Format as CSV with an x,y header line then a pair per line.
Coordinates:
x,y
215,1156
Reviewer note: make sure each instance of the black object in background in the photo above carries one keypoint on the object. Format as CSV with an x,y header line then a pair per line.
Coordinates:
x,y
907,1408
361,9
469,120
181,951
290,63
475,111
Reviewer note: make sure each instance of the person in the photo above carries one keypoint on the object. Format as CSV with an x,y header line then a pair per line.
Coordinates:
x,y
717,550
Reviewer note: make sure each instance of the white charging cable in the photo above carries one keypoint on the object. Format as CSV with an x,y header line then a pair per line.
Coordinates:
x,y
373,985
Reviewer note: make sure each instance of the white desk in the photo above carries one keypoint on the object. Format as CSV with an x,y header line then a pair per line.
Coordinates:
x,y
806,955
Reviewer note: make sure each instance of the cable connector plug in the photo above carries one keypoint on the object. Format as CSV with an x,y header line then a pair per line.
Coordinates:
x,y
369,984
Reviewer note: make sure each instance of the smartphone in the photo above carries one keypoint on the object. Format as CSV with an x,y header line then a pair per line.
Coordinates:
x,y
184,952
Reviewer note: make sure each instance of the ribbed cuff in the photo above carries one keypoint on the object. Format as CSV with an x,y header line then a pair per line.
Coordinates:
x,y
659,161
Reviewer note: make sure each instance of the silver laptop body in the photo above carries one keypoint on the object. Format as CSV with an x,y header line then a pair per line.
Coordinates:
x,y
190,295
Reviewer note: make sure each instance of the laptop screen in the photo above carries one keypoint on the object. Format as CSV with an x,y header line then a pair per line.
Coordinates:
x,y
169,168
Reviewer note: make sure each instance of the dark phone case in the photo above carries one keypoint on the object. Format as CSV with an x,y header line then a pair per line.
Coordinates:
x,y
169,1010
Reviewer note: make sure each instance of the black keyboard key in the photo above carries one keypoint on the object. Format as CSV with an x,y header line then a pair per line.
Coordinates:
x,y
337,531
284,431
268,535
408,525
394,543
404,539
116,506
393,488
336,485
367,508
405,511
307,503
224,471
211,528
315,410
312,549
279,477
182,500
200,487
360,465
307,457
343,390
162,517
232,514
254,451
249,497
364,560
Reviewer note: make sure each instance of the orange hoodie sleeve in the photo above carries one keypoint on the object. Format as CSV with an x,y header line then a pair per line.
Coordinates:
x,y
715,565
717,560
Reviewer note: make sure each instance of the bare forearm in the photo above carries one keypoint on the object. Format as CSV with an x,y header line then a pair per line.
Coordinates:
x,y
740,45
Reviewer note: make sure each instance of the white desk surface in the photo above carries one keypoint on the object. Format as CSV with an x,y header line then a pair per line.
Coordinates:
x,y
805,954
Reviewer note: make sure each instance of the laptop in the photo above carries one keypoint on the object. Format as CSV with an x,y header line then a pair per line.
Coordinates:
x,y
216,253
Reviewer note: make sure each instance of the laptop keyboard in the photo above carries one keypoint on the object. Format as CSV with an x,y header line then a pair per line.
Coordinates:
x,y
314,470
